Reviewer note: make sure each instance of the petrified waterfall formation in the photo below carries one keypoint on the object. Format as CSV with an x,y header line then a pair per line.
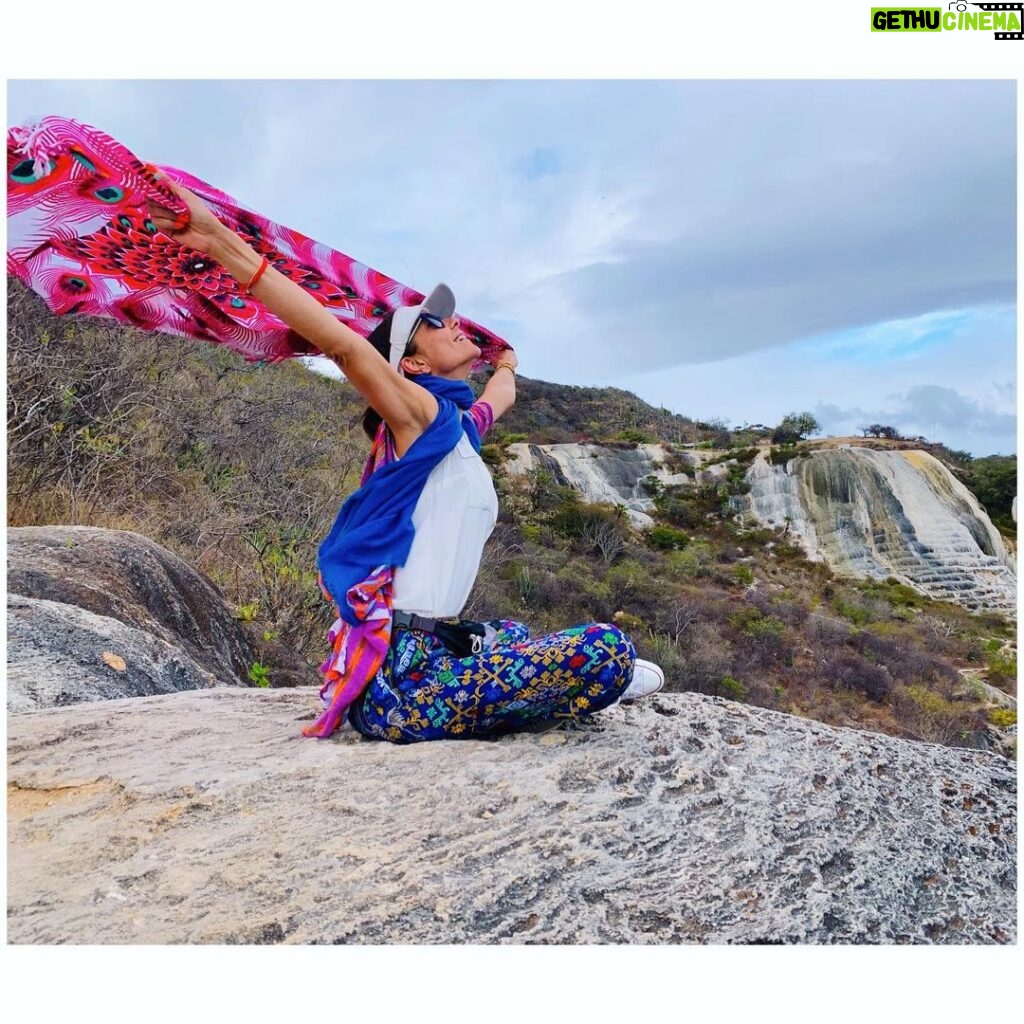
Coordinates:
x,y
864,512
888,513
600,473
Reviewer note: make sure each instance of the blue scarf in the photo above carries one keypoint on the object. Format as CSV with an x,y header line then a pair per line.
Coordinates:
x,y
374,525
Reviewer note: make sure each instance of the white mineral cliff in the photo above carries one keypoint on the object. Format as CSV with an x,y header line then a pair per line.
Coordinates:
x,y
864,512
888,513
601,474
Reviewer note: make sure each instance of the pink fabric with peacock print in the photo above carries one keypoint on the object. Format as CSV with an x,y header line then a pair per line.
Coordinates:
x,y
78,234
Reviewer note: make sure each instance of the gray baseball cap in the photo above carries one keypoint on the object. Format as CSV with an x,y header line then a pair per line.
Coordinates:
x,y
440,303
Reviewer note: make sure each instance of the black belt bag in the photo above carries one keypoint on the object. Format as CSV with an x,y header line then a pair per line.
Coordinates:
x,y
462,638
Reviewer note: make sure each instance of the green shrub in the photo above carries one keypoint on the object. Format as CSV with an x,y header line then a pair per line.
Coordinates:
x,y
574,518
743,575
933,718
248,612
679,508
1002,718
578,579
789,552
781,454
633,436
899,595
744,457
547,494
886,629
662,651
855,613
689,563
742,617
666,538
627,578
1002,666
651,486
493,454
631,625
731,688
993,479
767,629
259,675
531,531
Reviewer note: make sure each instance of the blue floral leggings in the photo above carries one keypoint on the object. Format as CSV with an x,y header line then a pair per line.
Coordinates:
x,y
423,692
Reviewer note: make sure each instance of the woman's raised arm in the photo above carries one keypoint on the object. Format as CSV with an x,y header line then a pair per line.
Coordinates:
x,y
406,407
500,390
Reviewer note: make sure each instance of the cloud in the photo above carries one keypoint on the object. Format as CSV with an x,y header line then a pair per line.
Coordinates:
x,y
845,391
929,410
946,407
901,340
540,163
696,219
889,213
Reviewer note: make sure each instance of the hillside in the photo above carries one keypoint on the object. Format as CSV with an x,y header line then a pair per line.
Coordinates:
x,y
239,469
547,413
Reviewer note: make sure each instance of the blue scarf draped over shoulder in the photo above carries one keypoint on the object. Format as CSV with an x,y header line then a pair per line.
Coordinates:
x,y
374,524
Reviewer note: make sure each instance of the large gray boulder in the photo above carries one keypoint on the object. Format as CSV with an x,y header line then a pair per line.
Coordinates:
x,y
60,654
96,614
205,817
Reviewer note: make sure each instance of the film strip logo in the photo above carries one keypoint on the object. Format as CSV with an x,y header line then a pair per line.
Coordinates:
x,y
962,5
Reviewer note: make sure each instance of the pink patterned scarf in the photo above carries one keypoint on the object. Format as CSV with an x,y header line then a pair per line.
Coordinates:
x,y
78,234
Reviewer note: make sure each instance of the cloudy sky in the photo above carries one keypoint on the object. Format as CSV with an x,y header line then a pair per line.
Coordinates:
x,y
729,249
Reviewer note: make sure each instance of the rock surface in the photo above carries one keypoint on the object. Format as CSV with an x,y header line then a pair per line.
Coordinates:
x,y
601,473
898,513
78,593
58,654
204,817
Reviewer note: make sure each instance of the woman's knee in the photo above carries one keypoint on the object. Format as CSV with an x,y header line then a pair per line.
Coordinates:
x,y
615,669
611,636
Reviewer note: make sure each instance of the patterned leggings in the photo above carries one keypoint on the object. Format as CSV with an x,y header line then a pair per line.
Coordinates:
x,y
423,692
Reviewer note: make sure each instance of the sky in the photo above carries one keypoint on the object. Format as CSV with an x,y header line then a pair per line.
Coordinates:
x,y
729,249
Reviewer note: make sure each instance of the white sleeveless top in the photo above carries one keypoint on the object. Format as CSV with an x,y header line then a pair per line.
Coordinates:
x,y
453,518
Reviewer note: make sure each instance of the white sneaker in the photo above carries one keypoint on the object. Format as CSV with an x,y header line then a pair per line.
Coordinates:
x,y
647,679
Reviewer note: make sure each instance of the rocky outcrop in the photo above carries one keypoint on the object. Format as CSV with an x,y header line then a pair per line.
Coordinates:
x,y
865,512
897,513
205,817
602,473
96,614
59,654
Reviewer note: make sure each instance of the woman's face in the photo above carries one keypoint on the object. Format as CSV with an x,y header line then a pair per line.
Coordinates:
x,y
446,351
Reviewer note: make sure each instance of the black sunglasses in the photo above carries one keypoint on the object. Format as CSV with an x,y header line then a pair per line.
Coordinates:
x,y
434,321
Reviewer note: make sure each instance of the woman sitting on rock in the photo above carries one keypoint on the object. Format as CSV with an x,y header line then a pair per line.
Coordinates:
x,y
401,558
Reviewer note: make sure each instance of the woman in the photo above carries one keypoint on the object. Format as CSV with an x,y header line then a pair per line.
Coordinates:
x,y
401,558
